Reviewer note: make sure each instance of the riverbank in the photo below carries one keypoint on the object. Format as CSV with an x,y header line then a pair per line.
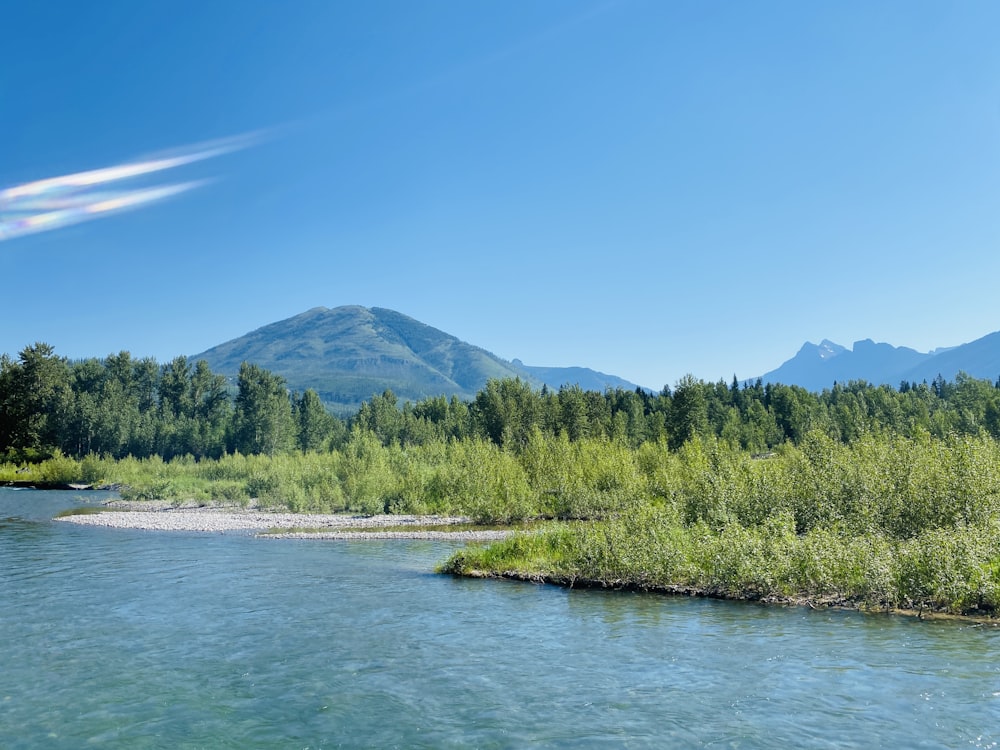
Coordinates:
x,y
953,572
271,524
814,602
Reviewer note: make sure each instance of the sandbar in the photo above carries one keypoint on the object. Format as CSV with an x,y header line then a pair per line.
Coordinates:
x,y
299,525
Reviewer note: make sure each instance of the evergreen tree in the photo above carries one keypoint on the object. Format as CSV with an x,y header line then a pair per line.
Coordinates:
x,y
506,411
315,425
262,422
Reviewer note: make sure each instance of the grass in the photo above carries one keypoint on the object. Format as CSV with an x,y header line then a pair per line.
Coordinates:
x,y
86,510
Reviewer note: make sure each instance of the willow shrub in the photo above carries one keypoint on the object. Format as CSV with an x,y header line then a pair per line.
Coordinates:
x,y
366,474
659,467
955,570
489,484
425,482
645,548
881,484
57,469
583,479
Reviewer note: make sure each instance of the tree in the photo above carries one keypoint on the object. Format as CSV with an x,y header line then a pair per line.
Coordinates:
x,y
175,390
262,422
506,411
315,425
573,412
382,417
35,399
792,407
688,411
212,410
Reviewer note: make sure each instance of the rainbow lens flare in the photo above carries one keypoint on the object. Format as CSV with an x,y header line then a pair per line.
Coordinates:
x,y
57,202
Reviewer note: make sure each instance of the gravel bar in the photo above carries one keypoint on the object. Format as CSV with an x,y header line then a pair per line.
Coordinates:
x,y
212,519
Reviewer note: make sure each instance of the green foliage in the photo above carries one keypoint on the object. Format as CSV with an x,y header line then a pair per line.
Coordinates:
x,y
314,425
887,522
366,474
953,571
263,419
505,411
491,484
120,407
537,554
582,479
35,397
875,495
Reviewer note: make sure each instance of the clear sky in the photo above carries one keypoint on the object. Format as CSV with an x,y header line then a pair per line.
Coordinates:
x,y
645,187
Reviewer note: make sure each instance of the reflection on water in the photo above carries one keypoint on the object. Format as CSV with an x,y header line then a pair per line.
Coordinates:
x,y
138,639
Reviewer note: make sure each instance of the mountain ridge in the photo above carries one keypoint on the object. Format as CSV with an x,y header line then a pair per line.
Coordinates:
x,y
884,364
348,353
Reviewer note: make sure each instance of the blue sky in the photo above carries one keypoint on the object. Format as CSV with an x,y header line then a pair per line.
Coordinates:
x,y
647,188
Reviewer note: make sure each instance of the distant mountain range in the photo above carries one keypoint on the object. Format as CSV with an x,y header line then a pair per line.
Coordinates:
x,y
347,354
818,366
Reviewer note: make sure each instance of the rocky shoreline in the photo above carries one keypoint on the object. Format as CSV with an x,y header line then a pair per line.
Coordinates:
x,y
299,525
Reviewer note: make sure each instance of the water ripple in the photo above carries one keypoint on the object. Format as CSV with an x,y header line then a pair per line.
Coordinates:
x,y
130,639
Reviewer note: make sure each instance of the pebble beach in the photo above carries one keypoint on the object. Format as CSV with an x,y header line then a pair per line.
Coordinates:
x,y
319,526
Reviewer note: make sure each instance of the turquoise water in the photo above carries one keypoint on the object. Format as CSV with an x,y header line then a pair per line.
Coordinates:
x,y
116,638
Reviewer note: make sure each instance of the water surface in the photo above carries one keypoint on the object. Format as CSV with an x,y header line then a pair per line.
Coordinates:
x,y
131,639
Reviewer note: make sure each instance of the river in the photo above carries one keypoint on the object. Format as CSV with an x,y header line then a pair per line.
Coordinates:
x,y
130,639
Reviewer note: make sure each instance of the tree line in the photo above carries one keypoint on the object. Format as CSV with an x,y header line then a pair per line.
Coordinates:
x,y
753,417
122,406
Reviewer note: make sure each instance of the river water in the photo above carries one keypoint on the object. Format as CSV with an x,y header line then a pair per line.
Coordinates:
x,y
130,639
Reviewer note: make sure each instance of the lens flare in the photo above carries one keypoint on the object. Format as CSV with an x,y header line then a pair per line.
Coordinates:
x,y
57,202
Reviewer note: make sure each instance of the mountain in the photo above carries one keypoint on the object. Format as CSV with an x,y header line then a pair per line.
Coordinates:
x,y
809,365
349,353
979,358
816,367
587,379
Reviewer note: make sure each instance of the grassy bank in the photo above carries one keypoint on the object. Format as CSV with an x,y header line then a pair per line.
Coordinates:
x,y
955,570
884,521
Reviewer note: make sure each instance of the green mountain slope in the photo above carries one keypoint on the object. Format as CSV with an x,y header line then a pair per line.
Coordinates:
x,y
349,353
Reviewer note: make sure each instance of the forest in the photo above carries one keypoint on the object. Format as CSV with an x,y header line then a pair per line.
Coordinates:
x,y
121,407
861,494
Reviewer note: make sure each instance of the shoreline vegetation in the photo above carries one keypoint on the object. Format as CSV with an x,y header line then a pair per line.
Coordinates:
x,y
935,574
864,495
884,523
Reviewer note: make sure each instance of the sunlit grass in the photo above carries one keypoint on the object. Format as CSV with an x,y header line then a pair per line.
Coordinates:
x,y
85,510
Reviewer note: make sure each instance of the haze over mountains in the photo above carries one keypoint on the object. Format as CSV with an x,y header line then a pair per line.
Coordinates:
x,y
818,366
348,353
